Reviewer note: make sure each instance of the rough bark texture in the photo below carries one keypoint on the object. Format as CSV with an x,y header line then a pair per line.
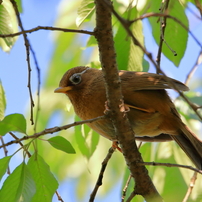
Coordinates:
x,y
103,33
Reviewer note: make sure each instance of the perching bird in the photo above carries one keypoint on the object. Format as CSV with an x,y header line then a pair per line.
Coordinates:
x,y
152,114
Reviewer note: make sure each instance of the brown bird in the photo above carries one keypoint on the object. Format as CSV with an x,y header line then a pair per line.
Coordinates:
x,y
152,114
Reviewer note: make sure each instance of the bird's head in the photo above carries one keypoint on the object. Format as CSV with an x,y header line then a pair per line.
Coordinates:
x,y
73,80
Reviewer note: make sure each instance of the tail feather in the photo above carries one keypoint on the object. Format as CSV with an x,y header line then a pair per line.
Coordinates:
x,y
190,144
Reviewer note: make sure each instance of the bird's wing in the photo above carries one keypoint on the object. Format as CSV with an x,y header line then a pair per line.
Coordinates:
x,y
150,81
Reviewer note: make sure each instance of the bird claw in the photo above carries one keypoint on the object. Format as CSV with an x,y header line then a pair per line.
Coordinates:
x,y
116,146
123,107
106,107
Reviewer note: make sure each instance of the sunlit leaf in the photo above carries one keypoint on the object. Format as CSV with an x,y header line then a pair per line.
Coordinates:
x,y
19,186
13,122
4,162
19,4
81,141
175,35
91,41
2,102
85,10
129,56
95,137
5,25
8,25
46,183
62,144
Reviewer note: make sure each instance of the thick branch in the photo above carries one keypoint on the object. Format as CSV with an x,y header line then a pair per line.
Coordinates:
x,y
125,135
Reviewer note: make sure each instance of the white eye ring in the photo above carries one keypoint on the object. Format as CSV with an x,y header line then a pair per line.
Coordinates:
x,y
75,78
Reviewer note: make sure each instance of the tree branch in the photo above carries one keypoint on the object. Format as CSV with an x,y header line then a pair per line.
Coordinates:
x,y
47,28
126,24
52,130
191,186
27,46
124,132
100,177
171,165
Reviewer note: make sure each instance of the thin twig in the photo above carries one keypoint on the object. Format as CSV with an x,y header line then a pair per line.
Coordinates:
x,y
101,174
6,153
52,130
125,188
38,87
27,46
47,28
59,197
148,15
191,186
20,143
170,165
132,195
193,69
129,179
162,28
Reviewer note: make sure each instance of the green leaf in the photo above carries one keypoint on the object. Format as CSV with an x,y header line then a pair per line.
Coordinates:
x,y
8,25
91,41
2,102
19,186
19,4
46,184
95,137
4,162
175,35
5,25
62,144
129,56
81,141
85,11
13,122
145,65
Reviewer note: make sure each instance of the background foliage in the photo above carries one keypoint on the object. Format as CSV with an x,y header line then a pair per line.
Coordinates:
x,y
74,175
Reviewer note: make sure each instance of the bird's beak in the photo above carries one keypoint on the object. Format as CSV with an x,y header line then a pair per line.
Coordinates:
x,y
63,89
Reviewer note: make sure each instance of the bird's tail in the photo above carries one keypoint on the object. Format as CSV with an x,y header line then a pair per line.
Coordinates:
x,y
190,144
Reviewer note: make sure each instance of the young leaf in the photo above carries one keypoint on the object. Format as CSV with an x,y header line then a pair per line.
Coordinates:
x,y
81,141
46,184
175,35
19,4
5,25
62,144
4,165
85,11
130,56
19,186
2,102
13,122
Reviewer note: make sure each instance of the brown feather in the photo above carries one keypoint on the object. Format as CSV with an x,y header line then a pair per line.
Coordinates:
x,y
152,114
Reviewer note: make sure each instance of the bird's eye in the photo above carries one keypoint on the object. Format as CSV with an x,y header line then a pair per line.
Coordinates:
x,y
75,78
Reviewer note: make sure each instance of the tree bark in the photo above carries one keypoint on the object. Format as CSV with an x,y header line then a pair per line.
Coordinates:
x,y
104,35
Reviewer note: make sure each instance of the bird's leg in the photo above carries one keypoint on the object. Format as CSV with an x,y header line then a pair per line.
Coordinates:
x,y
106,107
116,146
123,107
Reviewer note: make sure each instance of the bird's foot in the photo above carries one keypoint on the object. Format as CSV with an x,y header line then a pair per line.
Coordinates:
x,y
123,107
116,146
106,107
